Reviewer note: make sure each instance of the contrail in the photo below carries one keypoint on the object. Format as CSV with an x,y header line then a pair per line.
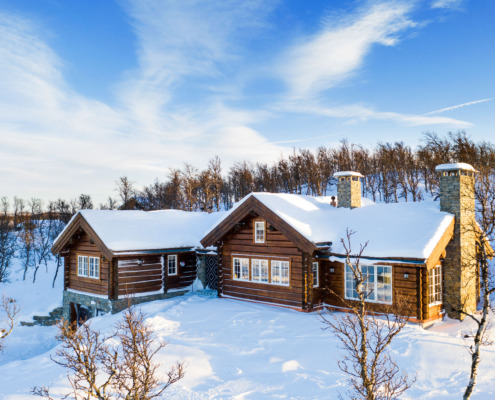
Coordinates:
x,y
458,106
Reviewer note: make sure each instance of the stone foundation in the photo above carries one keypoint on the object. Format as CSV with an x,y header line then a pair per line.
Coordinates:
x,y
98,305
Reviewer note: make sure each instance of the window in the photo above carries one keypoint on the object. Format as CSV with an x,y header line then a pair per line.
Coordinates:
x,y
172,264
94,267
241,269
316,283
259,232
435,285
280,273
88,267
383,284
260,271
377,283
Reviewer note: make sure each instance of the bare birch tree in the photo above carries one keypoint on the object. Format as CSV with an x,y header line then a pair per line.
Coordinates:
x,y
7,240
365,337
119,366
126,191
90,362
138,375
485,234
8,311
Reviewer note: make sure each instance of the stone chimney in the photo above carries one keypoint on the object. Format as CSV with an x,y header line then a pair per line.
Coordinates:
x,y
348,189
460,264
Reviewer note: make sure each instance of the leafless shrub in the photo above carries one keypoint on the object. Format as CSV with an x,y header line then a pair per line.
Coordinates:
x,y
138,375
484,229
8,311
98,370
365,337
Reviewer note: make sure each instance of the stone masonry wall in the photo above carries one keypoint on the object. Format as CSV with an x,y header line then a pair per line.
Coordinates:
x,y
349,192
460,264
95,303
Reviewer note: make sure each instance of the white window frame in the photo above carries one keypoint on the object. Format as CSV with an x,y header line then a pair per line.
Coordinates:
x,y
171,257
84,267
257,277
257,225
80,265
371,285
243,262
95,273
281,266
316,273
435,287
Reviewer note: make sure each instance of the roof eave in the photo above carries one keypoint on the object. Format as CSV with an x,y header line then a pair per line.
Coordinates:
x,y
80,222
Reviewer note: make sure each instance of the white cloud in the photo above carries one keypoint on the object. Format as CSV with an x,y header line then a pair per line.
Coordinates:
x,y
339,49
446,3
183,40
470,103
56,142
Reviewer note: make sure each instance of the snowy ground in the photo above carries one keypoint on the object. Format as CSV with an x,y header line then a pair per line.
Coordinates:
x,y
34,299
240,350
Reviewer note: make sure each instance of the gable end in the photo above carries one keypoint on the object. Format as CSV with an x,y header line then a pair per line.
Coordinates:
x,y
80,223
251,205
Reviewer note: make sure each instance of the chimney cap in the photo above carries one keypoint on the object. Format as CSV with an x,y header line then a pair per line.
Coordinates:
x,y
455,167
347,173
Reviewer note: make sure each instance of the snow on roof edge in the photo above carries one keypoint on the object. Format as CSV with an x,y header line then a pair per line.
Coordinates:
x,y
348,173
227,214
65,227
454,166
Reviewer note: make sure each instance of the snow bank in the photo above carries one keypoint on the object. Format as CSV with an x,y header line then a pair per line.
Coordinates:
x,y
241,350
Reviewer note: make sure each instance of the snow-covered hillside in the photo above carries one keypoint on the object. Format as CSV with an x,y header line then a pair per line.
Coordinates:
x,y
241,350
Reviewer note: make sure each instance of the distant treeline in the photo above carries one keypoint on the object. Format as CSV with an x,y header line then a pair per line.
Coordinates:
x,y
393,172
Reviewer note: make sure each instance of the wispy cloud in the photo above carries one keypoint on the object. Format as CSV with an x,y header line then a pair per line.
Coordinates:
x,y
447,3
362,113
304,139
181,41
176,106
335,53
469,103
330,56
56,142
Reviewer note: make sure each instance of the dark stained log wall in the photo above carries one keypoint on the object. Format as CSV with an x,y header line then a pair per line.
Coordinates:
x,y
413,290
131,274
277,247
186,274
81,246
139,274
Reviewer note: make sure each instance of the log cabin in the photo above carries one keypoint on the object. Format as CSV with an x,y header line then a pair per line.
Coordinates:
x,y
288,249
113,257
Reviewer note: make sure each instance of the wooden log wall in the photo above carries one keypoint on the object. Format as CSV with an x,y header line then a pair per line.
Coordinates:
x,y
240,243
185,274
81,245
139,274
409,289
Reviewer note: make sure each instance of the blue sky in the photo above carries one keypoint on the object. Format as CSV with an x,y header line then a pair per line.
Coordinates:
x,y
93,90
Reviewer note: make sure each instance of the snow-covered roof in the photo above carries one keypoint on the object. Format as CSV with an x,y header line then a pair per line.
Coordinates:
x,y
348,173
409,230
129,230
454,166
